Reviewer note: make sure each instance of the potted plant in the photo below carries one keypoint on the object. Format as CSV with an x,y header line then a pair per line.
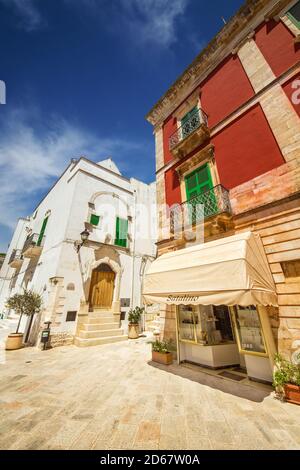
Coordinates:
x,y
161,352
27,304
134,317
287,379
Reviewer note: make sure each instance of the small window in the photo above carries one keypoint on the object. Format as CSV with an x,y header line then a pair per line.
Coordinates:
x,y
71,316
121,232
95,219
294,14
291,270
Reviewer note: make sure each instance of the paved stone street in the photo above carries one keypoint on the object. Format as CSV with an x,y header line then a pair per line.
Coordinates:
x,y
114,397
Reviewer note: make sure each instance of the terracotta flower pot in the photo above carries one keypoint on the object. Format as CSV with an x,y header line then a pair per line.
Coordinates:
x,y
133,330
292,393
162,358
14,341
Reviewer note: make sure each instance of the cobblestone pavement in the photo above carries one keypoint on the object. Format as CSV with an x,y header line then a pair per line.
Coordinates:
x,y
114,397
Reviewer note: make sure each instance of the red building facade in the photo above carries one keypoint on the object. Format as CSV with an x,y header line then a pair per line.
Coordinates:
x,y
231,121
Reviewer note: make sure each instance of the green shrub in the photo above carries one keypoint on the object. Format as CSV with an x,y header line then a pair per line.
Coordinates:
x,y
285,373
161,346
134,315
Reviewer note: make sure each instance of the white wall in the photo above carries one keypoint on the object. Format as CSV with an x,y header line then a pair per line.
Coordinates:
x,y
8,275
67,205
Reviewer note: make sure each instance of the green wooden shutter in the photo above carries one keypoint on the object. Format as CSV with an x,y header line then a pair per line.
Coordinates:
x,y
294,15
188,115
41,235
198,183
95,219
185,122
121,232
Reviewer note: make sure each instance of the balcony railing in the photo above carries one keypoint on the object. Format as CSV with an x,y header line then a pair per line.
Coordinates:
x,y
197,118
15,259
33,245
213,202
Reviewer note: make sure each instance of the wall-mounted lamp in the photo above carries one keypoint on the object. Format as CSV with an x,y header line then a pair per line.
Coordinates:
x,y
84,237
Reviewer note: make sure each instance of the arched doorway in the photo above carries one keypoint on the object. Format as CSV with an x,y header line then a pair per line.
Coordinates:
x,y
102,287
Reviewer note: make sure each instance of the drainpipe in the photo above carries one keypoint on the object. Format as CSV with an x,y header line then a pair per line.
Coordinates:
x,y
133,247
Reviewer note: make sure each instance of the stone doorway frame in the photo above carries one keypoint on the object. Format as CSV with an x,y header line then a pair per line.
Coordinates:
x,y
116,268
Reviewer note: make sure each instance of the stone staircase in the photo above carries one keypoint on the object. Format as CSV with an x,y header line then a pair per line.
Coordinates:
x,y
154,325
100,328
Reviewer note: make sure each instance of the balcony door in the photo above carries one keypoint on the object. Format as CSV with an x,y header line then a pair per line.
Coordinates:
x,y
199,187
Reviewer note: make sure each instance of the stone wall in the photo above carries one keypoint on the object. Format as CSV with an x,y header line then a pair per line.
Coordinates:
x,y
62,338
279,228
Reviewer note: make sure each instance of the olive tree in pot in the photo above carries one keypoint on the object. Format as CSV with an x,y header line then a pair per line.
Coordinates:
x,y
134,317
287,379
29,303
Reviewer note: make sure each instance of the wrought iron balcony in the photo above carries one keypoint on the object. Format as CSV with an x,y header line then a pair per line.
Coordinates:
x,y
211,203
33,246
193,132
16,259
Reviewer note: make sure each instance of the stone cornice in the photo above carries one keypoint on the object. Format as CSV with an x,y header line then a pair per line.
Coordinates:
x,y
250,15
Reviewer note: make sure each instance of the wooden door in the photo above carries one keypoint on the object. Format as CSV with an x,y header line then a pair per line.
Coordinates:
x,y
102,289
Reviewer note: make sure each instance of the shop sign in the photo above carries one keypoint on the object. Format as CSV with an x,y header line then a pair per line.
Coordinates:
x,y
183,298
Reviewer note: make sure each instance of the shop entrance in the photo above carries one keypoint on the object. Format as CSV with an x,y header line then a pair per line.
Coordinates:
x,y
102,287
220,336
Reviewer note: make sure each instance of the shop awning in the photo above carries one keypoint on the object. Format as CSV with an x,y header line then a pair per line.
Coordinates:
x,y
229,271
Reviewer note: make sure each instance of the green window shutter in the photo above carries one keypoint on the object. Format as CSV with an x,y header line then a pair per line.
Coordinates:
x,y
190,122
187,116
42,232
95,219
198,183
294,15
121,232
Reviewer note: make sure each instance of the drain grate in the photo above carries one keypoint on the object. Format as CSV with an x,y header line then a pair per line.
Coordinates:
x,y
240,370
229,375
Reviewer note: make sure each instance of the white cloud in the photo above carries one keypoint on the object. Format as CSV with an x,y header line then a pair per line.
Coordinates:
x,y
28,13
154,21
151,22
147,21
30,161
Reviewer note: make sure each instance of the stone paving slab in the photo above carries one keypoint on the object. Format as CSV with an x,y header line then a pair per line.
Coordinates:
x,y
114,397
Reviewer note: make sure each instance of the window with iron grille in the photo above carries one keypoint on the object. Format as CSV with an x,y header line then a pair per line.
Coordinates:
x,y
294,14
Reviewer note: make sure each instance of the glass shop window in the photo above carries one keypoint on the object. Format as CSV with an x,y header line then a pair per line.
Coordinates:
x,y
205,325
249,331
186,323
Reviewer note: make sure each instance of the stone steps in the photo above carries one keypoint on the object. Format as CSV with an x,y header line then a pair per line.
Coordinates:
x,y
81,342
154,325
100,333
90,320
100,326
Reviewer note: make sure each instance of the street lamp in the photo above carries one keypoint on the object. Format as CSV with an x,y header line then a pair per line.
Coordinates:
x,y
84,237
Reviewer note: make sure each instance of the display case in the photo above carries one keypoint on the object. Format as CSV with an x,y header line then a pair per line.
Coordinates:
x,y
205,325
186,323
249,331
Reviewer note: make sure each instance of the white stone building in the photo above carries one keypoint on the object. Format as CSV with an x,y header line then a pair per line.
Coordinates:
x,y
105,274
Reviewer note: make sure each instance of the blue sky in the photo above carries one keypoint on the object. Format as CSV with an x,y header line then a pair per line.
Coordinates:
x,y
80,77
